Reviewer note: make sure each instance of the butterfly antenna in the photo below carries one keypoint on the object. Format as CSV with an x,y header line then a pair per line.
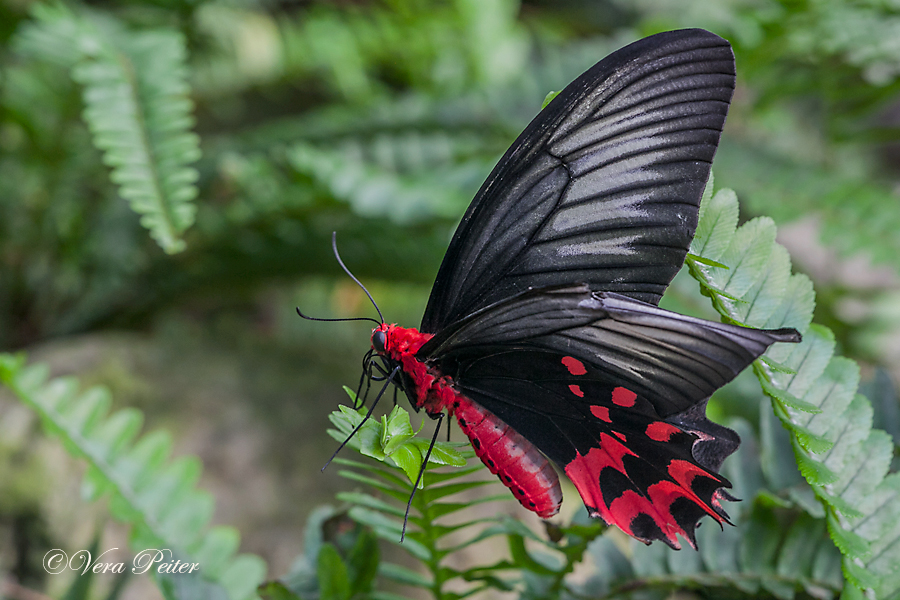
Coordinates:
x,y
366,418
421,473
347,271
308,318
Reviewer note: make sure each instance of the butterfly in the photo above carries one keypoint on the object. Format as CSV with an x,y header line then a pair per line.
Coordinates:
x,y
542,335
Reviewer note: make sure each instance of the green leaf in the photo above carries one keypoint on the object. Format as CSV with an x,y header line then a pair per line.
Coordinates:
x,y
243,575
392,437
787,398
717,226
369,501
404,575
523,559
815,472
363,561
813,395
377,191
705,261
275,590
409,458
775,366
396,430
156,497
548,98
367,440
798,550
809,441
334,580
794,310
849,543
865,470
441,454
764,296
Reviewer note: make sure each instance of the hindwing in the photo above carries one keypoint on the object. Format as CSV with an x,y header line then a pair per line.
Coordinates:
x,y
631,466
614,391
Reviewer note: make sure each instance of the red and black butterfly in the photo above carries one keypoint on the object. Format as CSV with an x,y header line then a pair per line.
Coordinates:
x,y
542,335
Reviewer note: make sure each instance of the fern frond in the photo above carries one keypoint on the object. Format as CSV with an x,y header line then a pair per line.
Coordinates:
x,y
768,559
373,190
137,107
383,510
155,495
837,451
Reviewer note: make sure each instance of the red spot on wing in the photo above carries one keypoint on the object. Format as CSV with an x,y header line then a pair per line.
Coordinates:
x,y
575,366
576,390
601,412
661,431
620,435
623,397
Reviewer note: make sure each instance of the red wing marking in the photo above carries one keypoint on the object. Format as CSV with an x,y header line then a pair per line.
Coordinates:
x,y
661,431
623,397
684,473
601,412
584,471
645,514
575,366
620,435
515,460
576,390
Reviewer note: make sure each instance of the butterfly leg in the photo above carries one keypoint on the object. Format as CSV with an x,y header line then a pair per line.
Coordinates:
x,y
421,473
366,418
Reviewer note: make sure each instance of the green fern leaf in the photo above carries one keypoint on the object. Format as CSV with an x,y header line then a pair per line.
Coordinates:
x,y
405,576
815,396
374,190
391,438
137,107
154,495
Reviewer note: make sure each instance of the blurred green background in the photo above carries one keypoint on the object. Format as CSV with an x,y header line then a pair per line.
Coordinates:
x,y
378,120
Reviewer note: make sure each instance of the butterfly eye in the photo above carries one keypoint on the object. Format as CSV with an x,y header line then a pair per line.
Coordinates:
x,y
378,341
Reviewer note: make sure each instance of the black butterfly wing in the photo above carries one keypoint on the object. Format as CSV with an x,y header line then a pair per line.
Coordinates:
x,y
631,467
614,391
672,360
603,187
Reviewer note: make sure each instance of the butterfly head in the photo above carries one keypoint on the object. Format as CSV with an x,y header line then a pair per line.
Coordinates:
x,y
380,339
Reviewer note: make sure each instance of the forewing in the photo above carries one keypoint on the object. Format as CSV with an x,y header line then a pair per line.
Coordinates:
x,y
603,187
632,468
673,361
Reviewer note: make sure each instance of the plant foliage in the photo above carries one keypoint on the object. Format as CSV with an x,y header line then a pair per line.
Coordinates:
x,y
137,106
381,119
148,490
775,547
813,392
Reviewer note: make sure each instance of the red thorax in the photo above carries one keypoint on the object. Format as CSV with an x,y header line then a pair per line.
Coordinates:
x,y
433,391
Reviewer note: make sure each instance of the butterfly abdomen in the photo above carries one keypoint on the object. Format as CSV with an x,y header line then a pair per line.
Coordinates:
x,y
515,460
